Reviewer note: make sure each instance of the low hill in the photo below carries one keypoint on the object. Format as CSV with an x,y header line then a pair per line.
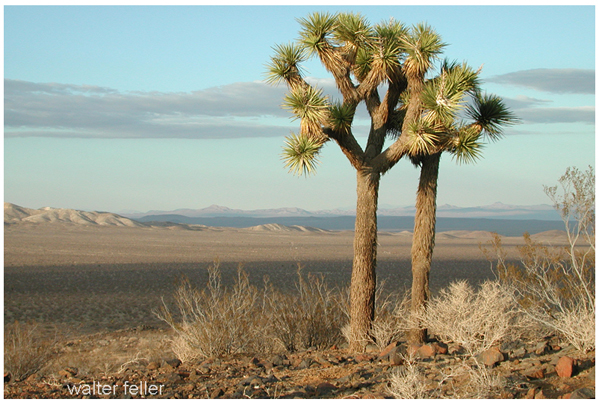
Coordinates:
x,y
284,228
14,214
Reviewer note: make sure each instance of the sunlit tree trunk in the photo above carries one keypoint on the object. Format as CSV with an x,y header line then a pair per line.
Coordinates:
x,y
363,280
423,242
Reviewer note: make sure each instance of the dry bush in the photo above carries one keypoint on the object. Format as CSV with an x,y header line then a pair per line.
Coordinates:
x,y
555,286
390,320
466,379
477,320
312,317
244,319
409,381
25,350
215,320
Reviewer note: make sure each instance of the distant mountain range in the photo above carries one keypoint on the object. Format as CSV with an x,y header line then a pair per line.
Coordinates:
x,y
292,220
494,211
508,220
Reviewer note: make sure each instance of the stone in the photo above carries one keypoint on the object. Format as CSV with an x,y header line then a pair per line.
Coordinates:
x,y
583,393
565,367
541,348
519,352
440,348
426,351
384,354
534,373
278,360
174,363
68,372
305,363
363,357
530,394
153,365
540,395
491,357
325,388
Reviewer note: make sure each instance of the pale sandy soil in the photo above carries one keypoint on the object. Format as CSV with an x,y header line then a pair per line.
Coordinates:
x,y
90,278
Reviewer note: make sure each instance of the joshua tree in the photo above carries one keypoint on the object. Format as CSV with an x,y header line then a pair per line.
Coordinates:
x,y
439,123
364,60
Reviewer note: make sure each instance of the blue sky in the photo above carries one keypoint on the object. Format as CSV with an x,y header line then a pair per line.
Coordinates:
x,y
140,108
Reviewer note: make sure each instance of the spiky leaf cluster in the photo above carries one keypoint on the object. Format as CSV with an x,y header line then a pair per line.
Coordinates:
x,y
490,114
444,97
300,154
285,64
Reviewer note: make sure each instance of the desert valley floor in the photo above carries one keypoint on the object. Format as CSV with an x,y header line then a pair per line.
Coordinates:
x,y
92,278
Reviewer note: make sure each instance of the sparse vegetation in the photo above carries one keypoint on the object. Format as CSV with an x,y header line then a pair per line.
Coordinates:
x,y
244,319
467,379
475,319
25,350
555,285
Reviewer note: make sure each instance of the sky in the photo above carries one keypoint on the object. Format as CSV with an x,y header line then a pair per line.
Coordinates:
x,y
138,108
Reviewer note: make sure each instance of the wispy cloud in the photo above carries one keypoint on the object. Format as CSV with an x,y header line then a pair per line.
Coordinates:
x,y
558,81
251,109
64,110
554,115
537,111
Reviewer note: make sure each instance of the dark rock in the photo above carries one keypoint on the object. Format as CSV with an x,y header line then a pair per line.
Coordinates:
x,y
325,388
279,360
583,393
174,363
171,378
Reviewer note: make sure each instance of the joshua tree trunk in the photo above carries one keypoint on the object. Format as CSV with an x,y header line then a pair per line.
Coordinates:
x,y
363,281
423,241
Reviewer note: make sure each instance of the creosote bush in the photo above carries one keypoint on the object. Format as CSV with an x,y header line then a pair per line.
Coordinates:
x,y
25,350
245,319
475,319
555,285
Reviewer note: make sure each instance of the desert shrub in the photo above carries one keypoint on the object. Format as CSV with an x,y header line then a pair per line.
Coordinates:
x,y
310,317
25,350
245,319
466,379
216,320
475,319
408,381
390,321
555,285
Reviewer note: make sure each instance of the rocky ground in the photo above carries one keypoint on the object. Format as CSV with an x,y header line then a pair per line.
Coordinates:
x,y
540,370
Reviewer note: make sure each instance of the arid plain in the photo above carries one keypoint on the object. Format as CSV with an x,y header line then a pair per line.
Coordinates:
x,y
88,278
